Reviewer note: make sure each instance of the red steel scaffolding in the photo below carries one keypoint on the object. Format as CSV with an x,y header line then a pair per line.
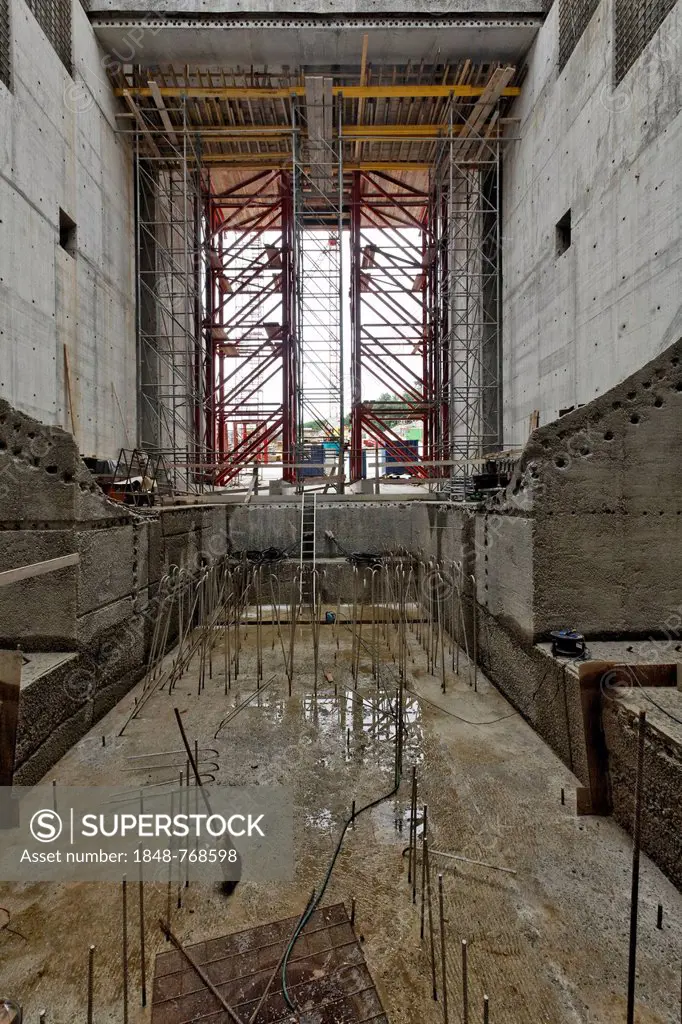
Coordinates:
x,y
393,340
249,325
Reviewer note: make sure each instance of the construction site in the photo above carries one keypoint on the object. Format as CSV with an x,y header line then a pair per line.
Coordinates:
x,y
341,538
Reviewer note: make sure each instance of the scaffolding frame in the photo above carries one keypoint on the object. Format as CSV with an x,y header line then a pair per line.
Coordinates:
x,y
173,361
318,211
466,299
392,344
243,287
249,323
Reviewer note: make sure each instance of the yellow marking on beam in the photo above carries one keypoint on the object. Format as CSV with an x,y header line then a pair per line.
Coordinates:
x,y
412,91
257,161
347,91
382,131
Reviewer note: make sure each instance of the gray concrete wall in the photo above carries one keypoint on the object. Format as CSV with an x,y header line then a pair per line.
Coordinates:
x,y
602,488
661,809
577,324
58,149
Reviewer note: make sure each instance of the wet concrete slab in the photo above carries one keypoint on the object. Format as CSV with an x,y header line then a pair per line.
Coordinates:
x,y
546,943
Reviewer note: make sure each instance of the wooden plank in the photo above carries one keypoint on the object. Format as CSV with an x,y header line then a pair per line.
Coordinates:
x,y
141,121
26,572
10,683
595,798
67,375
158,99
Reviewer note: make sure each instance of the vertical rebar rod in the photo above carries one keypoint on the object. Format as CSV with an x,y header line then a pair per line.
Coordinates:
x,y
474,628
465,983
411,866
443,955
636,839
414,835
179,896
124,909
423,902
486,1010
91,981
143,957
429,906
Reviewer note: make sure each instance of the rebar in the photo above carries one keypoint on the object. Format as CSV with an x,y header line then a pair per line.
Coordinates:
x,y
465,983
636,839
124,908
423,889
143,958
430,915
443,955
91,981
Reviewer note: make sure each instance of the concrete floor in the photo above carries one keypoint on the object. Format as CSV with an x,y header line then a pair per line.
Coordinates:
x,y
547,944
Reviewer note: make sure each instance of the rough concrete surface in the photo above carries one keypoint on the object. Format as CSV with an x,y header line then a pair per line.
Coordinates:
x,y
546,944
575,324
59,150
662,807
601,486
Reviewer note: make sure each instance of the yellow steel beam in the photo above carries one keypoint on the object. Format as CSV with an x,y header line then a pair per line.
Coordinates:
x,y
381,132
229,92
258,161
366,133
414,91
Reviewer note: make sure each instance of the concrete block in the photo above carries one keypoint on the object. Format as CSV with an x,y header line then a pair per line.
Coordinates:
x,y
140,554
155,551
106,567
213,540
91,626
60,740
38,613
175,520
607,574
262,526
504,570
181,550
54,687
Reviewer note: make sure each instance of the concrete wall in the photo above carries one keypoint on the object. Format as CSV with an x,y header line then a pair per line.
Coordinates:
x,y
602,488
661,809
577,324
58,149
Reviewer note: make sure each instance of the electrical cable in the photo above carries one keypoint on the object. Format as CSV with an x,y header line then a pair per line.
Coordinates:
x,y
651,700
317,896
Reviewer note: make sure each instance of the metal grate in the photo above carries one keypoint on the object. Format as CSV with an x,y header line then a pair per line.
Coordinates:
x,y
574,16
54,17
5,62
327,974
636,24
